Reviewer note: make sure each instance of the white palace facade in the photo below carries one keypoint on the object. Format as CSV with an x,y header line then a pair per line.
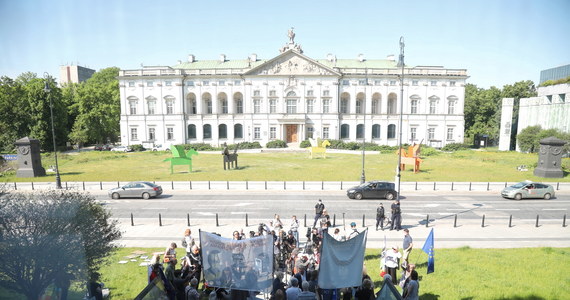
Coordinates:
x,y
291,97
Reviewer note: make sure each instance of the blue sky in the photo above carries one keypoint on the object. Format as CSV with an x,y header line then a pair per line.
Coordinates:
x,y
498,41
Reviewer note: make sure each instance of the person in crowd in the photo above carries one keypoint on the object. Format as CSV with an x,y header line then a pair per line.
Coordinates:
x,y
306,294
407,246
380,216
396,216
406,276
337,236
391,259
354,232
293,290
226,280
236,235
191,291
169,270
319,209
294,227
170,253
196,262
412,290
188,241
279,295
314,281
365,291
277,284
154,268
277,224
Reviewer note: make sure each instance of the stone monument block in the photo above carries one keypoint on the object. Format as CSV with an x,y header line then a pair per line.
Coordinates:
x,y
29,159
549,158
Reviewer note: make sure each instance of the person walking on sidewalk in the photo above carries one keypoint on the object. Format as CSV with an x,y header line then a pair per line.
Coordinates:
x,y
380,216
319,208
407,246
396,216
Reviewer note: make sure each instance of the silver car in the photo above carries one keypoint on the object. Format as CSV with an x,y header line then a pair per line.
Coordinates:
x,y
134,189
528,189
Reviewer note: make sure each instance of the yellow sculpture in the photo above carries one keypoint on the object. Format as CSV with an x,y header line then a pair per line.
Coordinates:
x,y
411,157
318,147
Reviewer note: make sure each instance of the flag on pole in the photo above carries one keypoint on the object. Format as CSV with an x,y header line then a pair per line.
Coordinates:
x,y
428,248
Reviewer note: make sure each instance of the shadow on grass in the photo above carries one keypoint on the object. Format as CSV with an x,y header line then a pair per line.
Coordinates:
x,y
531,297
430,296
372,256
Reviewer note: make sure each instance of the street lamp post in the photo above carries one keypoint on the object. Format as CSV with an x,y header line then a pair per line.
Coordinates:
x,y
48,90
401,63
362,176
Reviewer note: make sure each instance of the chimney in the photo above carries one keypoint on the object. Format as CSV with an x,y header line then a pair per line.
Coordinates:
x,y
222,57
191,58
361,57
253,57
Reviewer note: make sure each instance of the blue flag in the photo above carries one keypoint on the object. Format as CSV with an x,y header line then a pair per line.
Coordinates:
x,y
428,248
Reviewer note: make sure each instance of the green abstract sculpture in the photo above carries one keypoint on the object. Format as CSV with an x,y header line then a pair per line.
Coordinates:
x,y
180,158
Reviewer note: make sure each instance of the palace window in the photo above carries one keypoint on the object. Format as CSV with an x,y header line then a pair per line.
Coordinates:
x,y
169,133
191,131
272,133
134,134
256,106
391,131
375,131
238,131
344,131
310,106
207,128
325,132
326,105
272,106
256,133
222,131
151,134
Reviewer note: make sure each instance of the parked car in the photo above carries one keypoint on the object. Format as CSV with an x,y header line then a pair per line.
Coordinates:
x,y
161,148
122,149
528,189
105,147
133,189
373,189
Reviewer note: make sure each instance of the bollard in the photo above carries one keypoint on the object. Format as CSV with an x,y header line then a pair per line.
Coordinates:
x,y
564,221
511,221
487,186
247,185
558,186
284,185
159,219
266,185
208,184
188,219
455,221
132,220
118,185
334,220
322,185
100,185
172,185
427,221
66,185
343,220
505,184
470,186
83,185
32,185
190,184
416,186
341,185
536,221
303,185
246,220
452,185
217,220
483,221
305,220
363,224
15,186
434,185
227,185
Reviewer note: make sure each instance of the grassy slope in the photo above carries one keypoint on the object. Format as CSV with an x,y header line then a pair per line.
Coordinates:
x,y
467,166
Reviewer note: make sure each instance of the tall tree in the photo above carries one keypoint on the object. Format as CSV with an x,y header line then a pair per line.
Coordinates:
x,y
46,234
481,108
12,111
98,108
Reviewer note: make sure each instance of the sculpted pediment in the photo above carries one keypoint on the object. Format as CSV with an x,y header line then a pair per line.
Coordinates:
x,y
292,63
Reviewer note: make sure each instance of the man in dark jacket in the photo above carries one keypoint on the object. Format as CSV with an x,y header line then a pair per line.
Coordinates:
x,y
380,216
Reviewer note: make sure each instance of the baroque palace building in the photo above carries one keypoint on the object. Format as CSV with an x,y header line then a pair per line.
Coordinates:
x,y
291,97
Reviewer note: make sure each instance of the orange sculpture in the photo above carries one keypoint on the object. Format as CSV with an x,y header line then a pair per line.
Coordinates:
x,y
412,156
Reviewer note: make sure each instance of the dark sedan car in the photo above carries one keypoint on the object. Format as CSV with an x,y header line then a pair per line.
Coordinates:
x,y
105,147
373,189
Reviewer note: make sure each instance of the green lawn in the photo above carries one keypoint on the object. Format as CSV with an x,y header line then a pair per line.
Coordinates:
x,y
465,166
462,273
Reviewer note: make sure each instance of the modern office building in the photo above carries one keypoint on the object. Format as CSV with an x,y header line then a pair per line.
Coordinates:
x,y
554,73
291,97
74,74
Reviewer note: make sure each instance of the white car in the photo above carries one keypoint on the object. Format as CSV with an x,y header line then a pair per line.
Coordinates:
x,y
161,148
122,149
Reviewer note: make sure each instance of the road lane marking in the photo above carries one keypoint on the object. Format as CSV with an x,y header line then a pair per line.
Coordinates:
x,y
555,209
432,205
507,209
157,208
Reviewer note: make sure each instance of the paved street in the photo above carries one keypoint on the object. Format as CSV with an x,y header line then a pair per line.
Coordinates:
x,y
232,207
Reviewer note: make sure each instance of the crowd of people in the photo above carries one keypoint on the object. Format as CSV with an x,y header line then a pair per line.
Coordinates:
x,y
296,267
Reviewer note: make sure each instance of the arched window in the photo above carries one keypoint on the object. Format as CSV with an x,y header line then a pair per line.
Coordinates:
x,y
392,98
207,103
191,104
207,131
238,103
344,131
238,131
360,103
375,131
222,131
291,102
376,103
360,131
391,131
191,131
223,103
344,100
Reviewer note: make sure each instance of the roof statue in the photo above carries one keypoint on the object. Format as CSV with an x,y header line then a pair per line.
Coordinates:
x,y
180,158
291,35
412,156
291,44
318,147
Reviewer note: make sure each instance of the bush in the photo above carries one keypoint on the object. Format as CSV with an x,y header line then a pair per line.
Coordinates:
x,y
305,144
429,151
249,145
137,148
276,144
336,144
199,147
455,147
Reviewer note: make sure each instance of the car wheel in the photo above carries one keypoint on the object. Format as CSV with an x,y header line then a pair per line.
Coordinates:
x,y
126,150
358,196
116,196
518,196
547,196
389,196
146,195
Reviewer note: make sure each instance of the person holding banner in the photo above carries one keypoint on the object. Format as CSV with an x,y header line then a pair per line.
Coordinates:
x,y
391,259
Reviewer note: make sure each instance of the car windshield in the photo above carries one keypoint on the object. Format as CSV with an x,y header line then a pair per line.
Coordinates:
x,y
520,185
364,184
151,184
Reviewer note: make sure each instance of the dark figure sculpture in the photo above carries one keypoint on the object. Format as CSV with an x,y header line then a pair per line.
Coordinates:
x,y
230,158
